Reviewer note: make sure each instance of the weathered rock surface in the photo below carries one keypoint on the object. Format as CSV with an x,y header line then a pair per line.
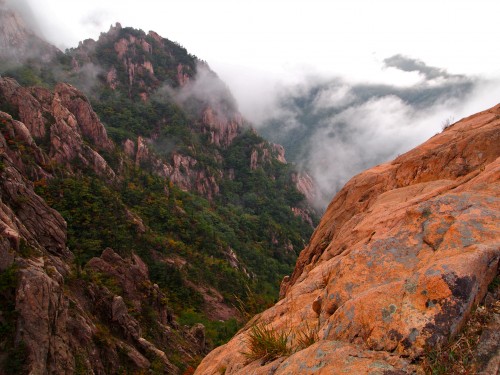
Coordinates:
x,y
402,255
221,128
183,170
90,125
305,185
61,122
264,154
21,210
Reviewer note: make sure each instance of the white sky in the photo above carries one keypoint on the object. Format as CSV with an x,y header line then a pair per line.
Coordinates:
x,y
334,36
254,44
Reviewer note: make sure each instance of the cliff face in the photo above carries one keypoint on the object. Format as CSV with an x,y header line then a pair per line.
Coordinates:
x,y
55,125
403,254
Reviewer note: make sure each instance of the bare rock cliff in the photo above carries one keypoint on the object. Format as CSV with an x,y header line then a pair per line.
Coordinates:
x,y
62,123
403,254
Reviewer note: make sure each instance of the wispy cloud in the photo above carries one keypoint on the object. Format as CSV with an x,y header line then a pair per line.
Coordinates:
x,y
341,128
205,89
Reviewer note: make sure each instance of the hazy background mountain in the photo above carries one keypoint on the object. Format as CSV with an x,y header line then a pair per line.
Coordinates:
x,y
335,128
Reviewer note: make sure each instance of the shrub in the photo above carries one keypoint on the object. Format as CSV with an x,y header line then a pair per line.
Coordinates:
x,y
447,122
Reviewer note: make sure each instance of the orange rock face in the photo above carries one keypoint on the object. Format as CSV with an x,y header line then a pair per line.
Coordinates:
x,y
403,253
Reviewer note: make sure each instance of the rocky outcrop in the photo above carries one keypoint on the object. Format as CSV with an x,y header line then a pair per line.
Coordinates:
x,y
305,185
88,122
33,240
402,255
134,60
21,209
265,153
183,170
62,123
130,278
182,78
221,129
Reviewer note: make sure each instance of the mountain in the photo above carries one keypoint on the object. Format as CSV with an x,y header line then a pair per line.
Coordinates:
x,y
143,219
401,275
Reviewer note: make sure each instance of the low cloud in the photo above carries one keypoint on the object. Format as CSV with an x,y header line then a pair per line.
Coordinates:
x,y
24,9
86,78
334,129
205,89
362,136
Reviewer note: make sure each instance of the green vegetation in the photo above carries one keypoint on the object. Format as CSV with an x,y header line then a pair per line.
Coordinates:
x,y
16,358
29,74
241,242
306,336
266,343
179,224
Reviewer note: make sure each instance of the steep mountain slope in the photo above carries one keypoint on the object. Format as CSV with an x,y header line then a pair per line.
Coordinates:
x,y
403,255
173,252
64,310
176,118
134,211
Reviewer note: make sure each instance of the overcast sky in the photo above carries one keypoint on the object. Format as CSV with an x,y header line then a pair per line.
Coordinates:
x,y
266,50
282,38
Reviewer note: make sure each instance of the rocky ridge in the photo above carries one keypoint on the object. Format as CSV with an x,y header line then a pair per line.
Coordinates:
x,y
61,122
403,254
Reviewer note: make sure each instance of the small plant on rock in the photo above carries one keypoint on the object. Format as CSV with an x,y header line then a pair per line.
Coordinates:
x,y
266,343
307,336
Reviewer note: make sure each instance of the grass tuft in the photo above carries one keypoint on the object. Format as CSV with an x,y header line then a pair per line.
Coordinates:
x,y
306,337
266,343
